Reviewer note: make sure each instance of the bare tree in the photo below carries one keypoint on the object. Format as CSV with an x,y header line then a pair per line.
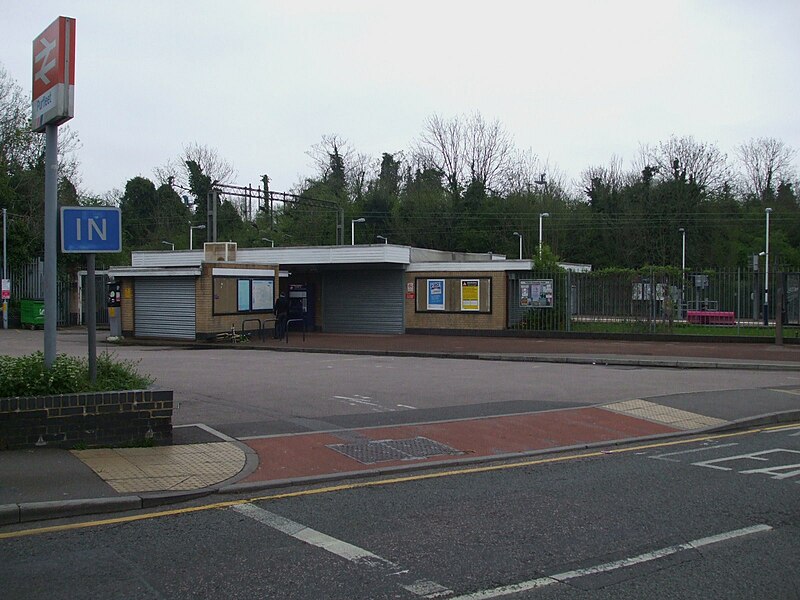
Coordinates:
x,y
684,158
489,150
613,176
766,162
208,159
442,146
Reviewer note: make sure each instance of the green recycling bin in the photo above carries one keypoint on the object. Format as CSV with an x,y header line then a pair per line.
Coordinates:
x,y
31,312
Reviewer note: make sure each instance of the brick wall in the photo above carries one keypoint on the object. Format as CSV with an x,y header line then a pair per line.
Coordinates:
x,y
495,320
207,323
94,419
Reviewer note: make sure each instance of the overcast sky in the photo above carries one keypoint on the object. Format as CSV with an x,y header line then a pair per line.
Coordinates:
x,y
262,81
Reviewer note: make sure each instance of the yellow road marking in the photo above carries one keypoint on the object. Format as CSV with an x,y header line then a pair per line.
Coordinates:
x,y
381,482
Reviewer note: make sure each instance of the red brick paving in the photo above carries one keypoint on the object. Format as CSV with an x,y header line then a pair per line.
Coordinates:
x,y
307,454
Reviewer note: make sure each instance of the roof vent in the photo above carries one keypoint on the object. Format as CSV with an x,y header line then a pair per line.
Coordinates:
x,y
220,251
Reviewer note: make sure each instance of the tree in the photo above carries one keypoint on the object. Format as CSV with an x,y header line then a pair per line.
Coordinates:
x,y
767,162
686,159
465,149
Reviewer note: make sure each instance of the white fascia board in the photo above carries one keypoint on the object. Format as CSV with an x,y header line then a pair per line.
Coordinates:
x,y
228,272
471,267
326,255
167,258
153,272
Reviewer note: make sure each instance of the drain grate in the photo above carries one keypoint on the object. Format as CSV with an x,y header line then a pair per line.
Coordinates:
x,y
385,450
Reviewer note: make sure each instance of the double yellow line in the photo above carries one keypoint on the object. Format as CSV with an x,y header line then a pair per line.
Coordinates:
x,y
381,482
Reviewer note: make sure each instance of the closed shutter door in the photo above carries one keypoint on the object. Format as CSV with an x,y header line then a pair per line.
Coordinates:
x,y
164,307
363,302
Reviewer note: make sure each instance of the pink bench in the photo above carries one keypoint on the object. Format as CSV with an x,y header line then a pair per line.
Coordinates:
x,y
711,317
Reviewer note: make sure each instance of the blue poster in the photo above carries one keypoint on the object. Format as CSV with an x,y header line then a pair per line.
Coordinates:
x,y
435,294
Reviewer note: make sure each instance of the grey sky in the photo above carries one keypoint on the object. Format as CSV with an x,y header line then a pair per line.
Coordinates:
x,y
575,81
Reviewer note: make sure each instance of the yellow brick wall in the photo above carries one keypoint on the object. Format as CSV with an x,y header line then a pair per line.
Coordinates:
x,y
496,320
208,324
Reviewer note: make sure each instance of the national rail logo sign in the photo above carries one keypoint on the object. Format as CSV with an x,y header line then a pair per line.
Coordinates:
x,y
54,74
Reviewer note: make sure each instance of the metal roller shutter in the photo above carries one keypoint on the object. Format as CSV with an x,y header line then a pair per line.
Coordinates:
x,y
164,307
363,301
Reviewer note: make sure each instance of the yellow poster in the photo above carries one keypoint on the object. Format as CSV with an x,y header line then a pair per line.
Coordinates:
x,y
470,294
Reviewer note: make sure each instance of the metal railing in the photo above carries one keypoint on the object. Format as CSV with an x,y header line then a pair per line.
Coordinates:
x,y
647,299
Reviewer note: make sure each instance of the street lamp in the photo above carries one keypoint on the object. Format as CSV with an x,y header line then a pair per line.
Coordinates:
x,y
381,237
268,240
519,235
170,244
541,215
353,229
191,231
683,268
766,272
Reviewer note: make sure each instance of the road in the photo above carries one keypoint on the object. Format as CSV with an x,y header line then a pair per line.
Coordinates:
x,y
717,517
250,393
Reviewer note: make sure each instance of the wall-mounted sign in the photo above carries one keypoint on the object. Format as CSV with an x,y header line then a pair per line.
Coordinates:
x,y
54,74
470,294
6,289
435,294
536,293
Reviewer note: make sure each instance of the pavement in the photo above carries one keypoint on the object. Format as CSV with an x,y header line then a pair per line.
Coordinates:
x,y
47,483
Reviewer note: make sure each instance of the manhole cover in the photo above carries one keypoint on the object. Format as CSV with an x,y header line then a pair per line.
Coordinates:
x,y
385,450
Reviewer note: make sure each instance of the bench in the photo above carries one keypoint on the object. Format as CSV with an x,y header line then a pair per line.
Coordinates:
x,y
711,317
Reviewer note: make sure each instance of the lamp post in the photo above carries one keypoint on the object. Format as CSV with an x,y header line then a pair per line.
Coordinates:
x,y
170,244
519,235
766,272
353,229
191,231
382,237
269,240
541,215
683,268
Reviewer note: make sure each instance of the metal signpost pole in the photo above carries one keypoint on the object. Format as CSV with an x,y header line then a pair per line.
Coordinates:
x,y
91,316
50,239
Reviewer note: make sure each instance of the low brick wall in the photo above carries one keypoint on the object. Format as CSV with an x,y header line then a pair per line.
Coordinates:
x,y
93,419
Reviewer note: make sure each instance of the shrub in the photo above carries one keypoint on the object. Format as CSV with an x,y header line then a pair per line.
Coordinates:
x,y
27,375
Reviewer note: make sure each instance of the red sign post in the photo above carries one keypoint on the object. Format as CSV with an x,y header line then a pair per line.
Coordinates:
x,y
54,74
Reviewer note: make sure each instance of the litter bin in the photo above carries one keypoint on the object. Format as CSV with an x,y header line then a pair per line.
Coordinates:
x,y
31,312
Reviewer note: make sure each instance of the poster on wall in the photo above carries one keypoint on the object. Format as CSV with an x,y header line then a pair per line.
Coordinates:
x,y
536,293
470,294
263,294
243,295
435,294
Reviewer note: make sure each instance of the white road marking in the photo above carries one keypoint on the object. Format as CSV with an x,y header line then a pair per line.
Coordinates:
x,y
358,400
210,430
420,587
407,406
663,456
752,456
611,566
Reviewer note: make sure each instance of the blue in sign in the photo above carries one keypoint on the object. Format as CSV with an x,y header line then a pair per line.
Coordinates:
x,y
90,229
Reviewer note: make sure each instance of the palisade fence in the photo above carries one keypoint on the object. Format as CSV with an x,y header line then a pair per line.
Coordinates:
x,y
648,301
27,282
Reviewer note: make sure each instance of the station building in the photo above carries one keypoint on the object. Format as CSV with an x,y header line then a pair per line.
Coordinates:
x,y
376,288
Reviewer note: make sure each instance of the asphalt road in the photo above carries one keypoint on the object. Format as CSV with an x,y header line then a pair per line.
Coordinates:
x,y
249,393
715,518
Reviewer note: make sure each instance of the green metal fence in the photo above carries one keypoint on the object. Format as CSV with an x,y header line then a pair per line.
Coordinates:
x,y
648,300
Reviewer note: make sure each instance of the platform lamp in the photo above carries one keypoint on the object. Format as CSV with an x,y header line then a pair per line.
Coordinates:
x,y
170,244
272,242
383,237
191,232
541,215
519,235
353,229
